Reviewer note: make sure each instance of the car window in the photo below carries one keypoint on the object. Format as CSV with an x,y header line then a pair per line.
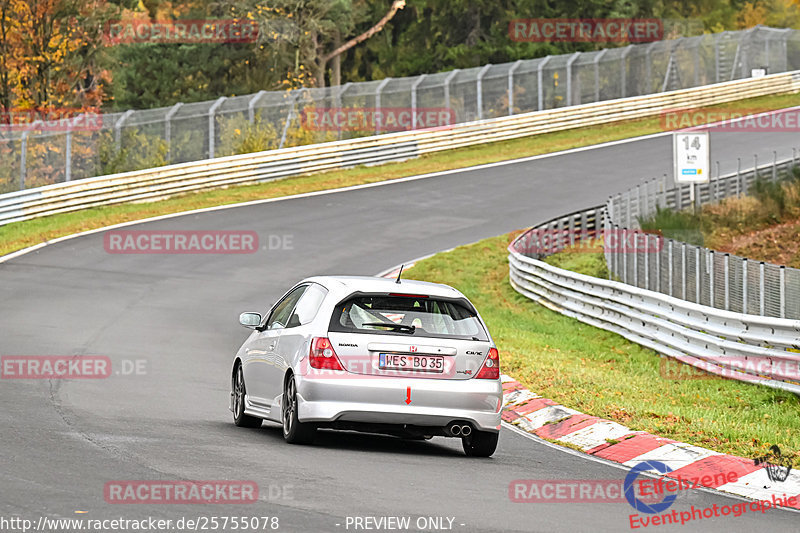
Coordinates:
x,y
407,315
280,315
306,309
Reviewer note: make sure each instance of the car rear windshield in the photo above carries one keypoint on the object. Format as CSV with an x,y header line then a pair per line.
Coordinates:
x,y
409,316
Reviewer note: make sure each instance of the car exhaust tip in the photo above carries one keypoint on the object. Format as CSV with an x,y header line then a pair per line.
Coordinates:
x,y
466,430
455,430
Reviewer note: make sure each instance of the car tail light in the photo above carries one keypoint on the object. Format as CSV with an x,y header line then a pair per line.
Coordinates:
x,y
491,367
322,355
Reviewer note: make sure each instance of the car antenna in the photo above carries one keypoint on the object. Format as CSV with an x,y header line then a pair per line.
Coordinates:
x,y
398,274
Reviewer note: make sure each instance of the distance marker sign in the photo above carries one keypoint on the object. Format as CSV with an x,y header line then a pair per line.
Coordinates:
x,y
691,154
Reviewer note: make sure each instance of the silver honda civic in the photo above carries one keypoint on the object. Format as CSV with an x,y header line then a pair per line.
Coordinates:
x,y
407,358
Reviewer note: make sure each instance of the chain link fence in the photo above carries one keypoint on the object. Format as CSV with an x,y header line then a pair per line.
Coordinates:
x,y
691,272
33,156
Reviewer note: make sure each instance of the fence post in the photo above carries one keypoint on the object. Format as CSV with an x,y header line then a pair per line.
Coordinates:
x,y
670,264
697,281
251,106
744,285
774,166
570,61
783,290
646,261
659,246
716,186
23,154
539,82
596,64
635,258
514,67
710,267
624,70
761,301
447,88
118,127
716,57
168,128
683,271
624,259
628,209
726,272
383,83
290,117
479,89
68,156
738,176
648,65
212,140
414,100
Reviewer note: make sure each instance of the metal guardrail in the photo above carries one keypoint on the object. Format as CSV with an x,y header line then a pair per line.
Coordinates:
x,y
199,130
758,349
153,184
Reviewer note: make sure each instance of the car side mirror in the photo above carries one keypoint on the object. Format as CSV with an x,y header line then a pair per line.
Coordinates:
x,y
250,320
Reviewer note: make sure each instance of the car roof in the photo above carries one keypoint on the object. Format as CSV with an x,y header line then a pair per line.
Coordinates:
x,y
349,284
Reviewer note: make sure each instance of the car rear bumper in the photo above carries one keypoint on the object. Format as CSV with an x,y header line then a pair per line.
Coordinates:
x,y
434,402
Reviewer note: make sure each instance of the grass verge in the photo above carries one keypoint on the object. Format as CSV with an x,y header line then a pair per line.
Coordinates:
x,y
30,232
601,373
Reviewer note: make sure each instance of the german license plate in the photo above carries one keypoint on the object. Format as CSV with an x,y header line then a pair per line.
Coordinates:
x,y
415,363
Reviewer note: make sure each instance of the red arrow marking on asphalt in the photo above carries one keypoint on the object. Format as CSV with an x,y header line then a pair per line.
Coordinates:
x,y
408,395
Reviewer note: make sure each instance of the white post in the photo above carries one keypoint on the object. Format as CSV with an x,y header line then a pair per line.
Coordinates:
x,y
414,100
539,81
212,141
514,67
479,89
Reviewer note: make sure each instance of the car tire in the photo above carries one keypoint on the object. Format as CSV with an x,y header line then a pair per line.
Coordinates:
x,y
294,431
239,391
480,443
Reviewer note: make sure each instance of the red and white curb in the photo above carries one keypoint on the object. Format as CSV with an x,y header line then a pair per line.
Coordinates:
x,y
614,442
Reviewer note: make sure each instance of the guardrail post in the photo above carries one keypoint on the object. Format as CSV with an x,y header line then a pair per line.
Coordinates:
x,y
670,264
514,67
251,106
212,140
726,272
570,61
118,128
710,268
596,64
683,271
783,290
539,82
479,89
744,285
68,156
697,281
168,128
761,299
414,100
624,70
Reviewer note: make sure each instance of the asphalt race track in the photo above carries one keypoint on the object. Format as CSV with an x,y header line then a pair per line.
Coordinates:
x,y
177,315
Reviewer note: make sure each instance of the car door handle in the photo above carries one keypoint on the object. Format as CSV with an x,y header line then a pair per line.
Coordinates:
x,y
272,346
